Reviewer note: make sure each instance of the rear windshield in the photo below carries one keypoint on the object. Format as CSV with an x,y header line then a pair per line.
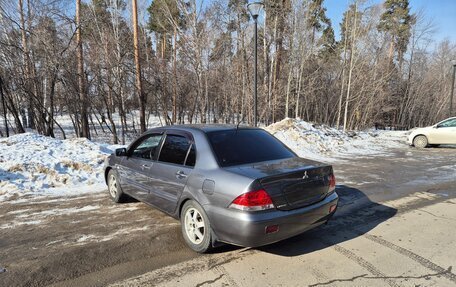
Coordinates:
x,y
246,146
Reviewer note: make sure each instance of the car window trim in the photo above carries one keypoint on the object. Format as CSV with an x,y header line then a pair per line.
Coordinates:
x,y
174,164
188,153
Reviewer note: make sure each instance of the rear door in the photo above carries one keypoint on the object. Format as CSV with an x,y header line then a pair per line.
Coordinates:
x,y
135,168
169,174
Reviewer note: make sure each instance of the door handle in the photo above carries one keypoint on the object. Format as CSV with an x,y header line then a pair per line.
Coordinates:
x,y
180,174
145,166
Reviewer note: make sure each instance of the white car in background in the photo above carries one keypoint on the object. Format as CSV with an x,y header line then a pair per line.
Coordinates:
x,y
443,132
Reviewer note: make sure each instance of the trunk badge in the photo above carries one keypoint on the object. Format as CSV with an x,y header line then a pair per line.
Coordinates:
x,y
305,176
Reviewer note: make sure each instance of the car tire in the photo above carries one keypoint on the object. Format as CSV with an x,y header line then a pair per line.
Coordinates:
x,y
420,142
114,188
196,228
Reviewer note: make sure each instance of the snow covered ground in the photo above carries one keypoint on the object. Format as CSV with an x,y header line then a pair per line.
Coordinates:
x,y
35,164
31,164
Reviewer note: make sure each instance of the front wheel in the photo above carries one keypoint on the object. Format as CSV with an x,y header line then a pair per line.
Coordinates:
x,y
114,188
420,142
196,228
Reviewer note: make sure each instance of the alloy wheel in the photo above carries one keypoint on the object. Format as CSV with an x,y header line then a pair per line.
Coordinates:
x,y
194,226
113,186
420,142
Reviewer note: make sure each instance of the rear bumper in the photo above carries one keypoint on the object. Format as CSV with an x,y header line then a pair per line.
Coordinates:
x,y
249,228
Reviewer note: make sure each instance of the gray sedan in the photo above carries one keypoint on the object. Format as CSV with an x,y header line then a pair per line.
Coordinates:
x,y
240,186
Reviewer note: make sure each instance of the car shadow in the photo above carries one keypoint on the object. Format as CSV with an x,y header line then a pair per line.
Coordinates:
x,y
446,146
356,215
434,147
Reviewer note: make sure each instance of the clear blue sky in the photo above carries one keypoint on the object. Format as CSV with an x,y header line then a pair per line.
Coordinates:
x,y
442,12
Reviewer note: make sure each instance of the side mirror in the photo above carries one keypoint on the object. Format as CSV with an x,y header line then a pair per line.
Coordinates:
x,y
121,151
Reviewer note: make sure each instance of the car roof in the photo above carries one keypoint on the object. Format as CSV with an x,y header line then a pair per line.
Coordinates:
x,y
203,127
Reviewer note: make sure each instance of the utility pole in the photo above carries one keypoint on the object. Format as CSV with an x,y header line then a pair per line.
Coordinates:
x,y
452,88
350,70
254,9
5,113
85,132
139,90
255,79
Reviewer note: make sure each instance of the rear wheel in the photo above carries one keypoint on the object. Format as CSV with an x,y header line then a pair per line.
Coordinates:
x,y
114,188
196,228
420,142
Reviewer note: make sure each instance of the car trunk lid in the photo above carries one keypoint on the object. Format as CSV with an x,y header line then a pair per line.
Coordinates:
x,y
292,183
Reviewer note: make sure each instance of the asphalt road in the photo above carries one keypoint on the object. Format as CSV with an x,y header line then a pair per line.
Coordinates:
x,y
394,227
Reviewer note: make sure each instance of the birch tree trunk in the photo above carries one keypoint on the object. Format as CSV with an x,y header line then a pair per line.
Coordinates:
x,y
339,107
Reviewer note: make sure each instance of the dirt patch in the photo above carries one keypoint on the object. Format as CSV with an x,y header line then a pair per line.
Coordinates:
x,y
54,239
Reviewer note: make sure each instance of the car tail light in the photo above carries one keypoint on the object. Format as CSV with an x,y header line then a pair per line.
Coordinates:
x,y
253,201
332,183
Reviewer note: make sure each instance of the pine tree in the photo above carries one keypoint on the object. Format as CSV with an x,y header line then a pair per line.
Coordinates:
x,y
346,26
138,80
165,20
317,20
164,17
397,21
328,43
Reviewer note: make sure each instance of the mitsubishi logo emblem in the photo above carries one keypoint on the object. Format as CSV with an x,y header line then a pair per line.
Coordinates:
x,y
305,175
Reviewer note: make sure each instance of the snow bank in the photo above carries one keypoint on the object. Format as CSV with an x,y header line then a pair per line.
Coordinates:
x,y
39,165
321,142
31,163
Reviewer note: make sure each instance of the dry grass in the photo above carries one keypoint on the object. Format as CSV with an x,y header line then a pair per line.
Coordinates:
x,y
44,169
76,165
16,168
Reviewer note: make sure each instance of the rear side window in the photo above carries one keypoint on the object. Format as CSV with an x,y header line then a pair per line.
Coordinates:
x,y
246,146
174,149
